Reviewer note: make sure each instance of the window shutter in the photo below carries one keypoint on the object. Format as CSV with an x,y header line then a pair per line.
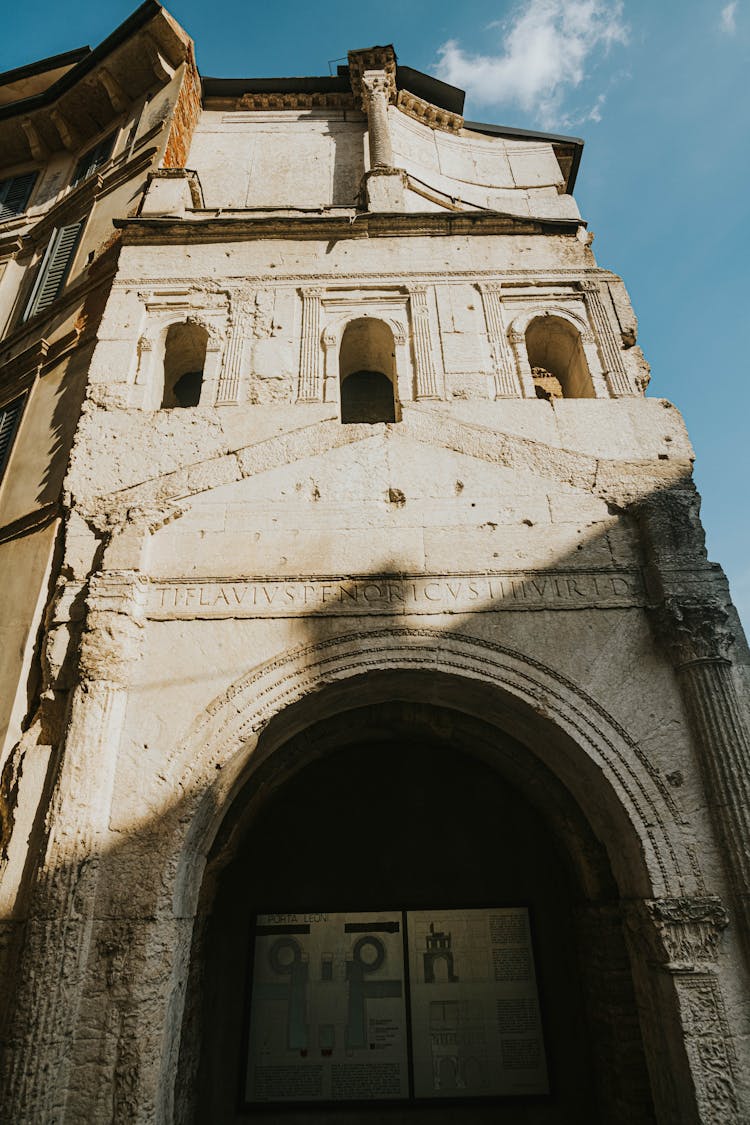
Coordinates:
x,y
93,159
54,268
14,194
9,418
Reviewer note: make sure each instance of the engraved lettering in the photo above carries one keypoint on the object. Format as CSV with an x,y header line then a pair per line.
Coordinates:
x,y
377,595
573,587
432,597
352,594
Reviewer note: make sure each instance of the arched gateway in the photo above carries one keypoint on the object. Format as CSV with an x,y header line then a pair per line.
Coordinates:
x,y
420,771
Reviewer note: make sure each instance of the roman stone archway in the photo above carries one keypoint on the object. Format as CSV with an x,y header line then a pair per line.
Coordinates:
x,y
631,876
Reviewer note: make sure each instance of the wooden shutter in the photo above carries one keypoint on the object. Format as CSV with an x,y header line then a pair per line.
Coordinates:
x,y
93,159
54,268
14,194
10,416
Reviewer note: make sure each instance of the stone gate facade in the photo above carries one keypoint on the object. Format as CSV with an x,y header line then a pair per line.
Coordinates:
x,y
349,569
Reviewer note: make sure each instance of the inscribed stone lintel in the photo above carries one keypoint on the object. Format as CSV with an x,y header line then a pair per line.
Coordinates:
x,y
397,595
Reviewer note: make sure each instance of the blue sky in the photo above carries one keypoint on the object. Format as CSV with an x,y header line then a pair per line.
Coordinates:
x,y
659,92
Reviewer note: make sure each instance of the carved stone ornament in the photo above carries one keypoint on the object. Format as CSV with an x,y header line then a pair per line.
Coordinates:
x,y
297,100
428,114
374,58
692,632
683,933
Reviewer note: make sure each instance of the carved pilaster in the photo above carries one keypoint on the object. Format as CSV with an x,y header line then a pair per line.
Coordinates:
x,y
614,368
506,380
309,360
58,929
525,378
676,942
424,359
228,390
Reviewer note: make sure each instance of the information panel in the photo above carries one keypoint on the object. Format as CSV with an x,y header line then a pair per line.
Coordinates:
x,y
328,1009
476,1029
335,1016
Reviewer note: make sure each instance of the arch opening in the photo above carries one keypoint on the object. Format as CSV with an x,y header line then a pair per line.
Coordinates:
x,y
367,372
401,806
184,361
557,360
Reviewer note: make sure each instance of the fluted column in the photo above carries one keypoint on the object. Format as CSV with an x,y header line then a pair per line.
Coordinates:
x,y
689,1043
230,377
614,368
696,637
376,91
506,380
309,362
426,371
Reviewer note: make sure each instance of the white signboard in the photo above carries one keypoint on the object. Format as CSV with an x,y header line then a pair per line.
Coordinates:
x,y
476,1030
328,1009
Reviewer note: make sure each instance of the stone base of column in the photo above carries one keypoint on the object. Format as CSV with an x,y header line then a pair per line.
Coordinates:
x,y
384,189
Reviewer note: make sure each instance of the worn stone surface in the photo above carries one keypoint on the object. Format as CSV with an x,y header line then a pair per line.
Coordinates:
x,y
228,590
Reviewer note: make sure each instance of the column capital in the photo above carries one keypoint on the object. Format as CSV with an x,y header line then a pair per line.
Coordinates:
x,y
692,631
380,60
681,933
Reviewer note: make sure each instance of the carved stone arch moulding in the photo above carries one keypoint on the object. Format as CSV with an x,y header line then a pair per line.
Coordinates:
x,y
620,792
519,324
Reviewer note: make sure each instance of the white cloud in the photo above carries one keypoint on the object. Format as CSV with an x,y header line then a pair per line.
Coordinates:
x,y
729,18
546,48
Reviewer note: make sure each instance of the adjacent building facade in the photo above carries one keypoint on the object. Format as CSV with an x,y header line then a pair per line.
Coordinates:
x,y
374,725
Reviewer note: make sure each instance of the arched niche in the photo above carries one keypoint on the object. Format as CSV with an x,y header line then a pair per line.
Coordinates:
x,y
367,372
396,805
557,358
185,346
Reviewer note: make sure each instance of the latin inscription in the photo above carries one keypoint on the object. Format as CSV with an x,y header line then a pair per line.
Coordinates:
x,y
401,595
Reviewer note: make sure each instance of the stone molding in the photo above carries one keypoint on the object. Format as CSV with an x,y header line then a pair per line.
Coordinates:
x,y
428,114
296,101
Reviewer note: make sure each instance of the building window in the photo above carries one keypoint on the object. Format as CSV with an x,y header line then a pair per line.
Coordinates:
x,y
14,194
184,360
54,268
92,160
367,369
10,416
557,359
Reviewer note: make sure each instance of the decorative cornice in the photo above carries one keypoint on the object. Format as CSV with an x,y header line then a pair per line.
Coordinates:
x,y
160,231
428,114
296,100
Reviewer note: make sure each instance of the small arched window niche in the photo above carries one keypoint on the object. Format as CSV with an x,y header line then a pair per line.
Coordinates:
x,y
184,361
367,372
557,359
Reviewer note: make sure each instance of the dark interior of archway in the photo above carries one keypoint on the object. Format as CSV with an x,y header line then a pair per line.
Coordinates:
x,y
367,396
386,826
